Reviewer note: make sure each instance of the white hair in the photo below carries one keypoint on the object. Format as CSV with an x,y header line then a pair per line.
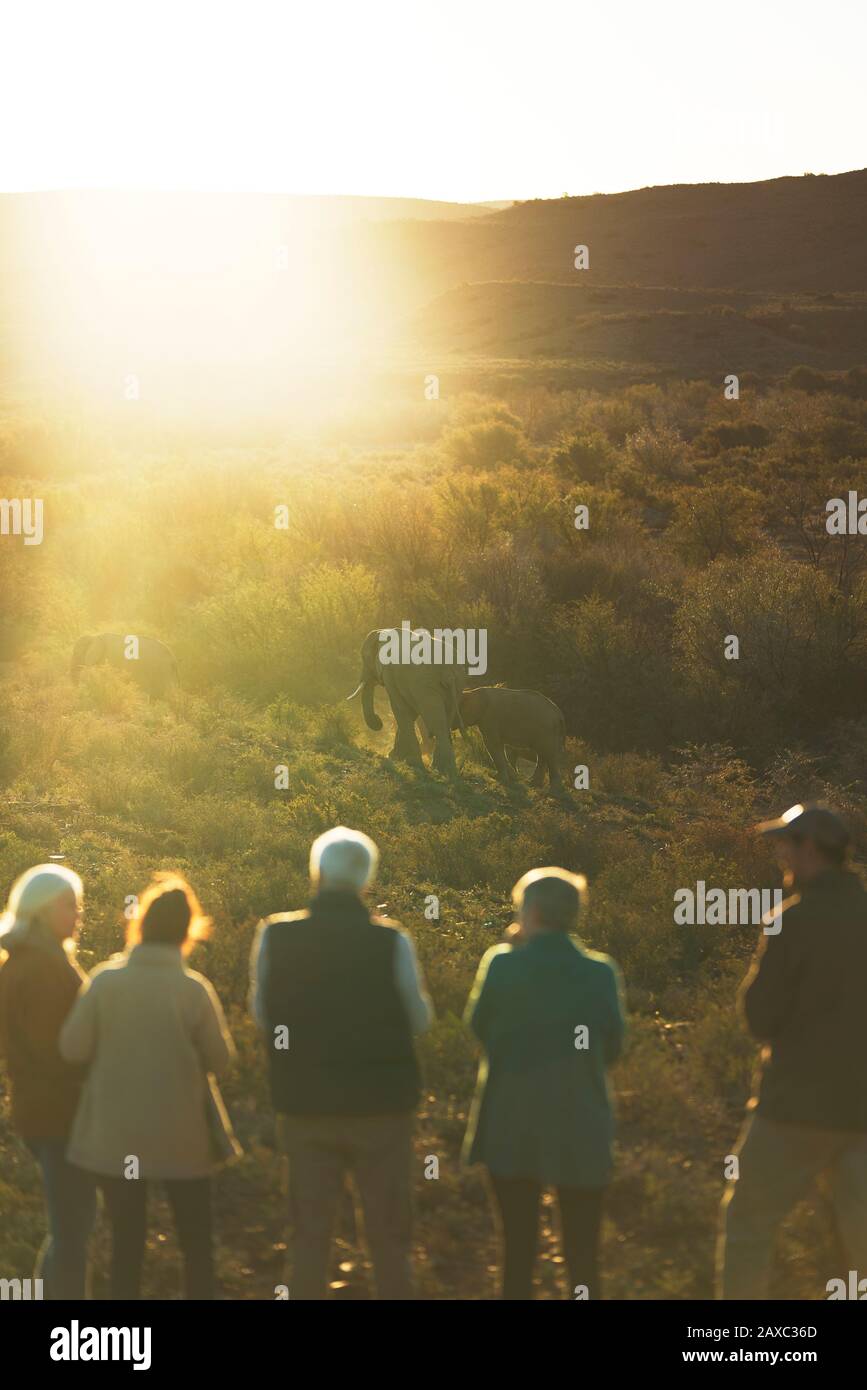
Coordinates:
x,y
34,890
343,858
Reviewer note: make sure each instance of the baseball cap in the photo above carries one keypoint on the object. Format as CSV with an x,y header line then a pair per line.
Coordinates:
x,y
809,820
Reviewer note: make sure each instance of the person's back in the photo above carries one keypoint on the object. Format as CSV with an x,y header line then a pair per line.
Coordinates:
x,y
151,1033
150,1023
550,1027
331,983
805,999
338,997
39,982
812,1011
550,1017
38,986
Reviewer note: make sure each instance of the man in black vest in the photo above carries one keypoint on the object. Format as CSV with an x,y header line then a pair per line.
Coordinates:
x,y
805,998
338,995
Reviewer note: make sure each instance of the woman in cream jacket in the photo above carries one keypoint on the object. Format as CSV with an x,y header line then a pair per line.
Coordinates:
x,y
152,1032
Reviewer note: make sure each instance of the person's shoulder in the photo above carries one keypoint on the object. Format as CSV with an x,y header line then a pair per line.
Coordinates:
x,y
277,920
197,983
793,912
598,962
106,978
392,925
108,970
499,955
24,967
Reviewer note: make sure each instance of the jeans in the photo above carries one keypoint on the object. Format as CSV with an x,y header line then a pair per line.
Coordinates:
x,y
377,1150
70,1202
190,1200
777,1164
580,1218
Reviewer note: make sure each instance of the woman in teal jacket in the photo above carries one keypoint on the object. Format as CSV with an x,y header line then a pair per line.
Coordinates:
x,y
549,1014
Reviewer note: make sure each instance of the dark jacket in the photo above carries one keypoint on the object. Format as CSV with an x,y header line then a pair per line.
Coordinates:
x,y
806,998
331,983
38,987
542,1108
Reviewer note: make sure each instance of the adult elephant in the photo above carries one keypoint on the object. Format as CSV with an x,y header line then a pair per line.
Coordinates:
x,y
149,662
429,692
517,721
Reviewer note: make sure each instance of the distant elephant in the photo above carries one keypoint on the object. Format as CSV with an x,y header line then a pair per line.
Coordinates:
x,y
148,661
429,692
517,721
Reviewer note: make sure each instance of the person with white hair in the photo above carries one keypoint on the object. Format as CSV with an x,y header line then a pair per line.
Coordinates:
x,y
339,995
39,982
549,1014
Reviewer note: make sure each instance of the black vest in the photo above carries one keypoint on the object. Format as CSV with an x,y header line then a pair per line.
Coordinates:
x,y
330,982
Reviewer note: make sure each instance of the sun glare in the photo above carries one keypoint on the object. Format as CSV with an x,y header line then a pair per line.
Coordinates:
x,y
176,296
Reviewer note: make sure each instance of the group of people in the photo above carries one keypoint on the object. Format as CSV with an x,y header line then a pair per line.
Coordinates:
x,y
113,1077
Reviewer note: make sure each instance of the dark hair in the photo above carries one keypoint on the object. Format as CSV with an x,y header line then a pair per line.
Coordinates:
x,y
169,914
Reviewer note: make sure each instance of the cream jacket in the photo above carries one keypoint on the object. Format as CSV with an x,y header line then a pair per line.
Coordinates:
x,y
151,1030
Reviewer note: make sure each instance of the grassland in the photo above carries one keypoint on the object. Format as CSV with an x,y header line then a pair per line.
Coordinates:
x,y
622,625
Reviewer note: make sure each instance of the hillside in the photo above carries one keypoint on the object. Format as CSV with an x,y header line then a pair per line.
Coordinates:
x,y
783,235
234,303
698,332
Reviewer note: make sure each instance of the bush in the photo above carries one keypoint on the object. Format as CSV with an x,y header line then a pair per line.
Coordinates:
x,y
588,458
714,520
484,445
794,633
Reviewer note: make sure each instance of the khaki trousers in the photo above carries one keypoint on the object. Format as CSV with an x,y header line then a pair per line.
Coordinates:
x,y
377,1150
777,1165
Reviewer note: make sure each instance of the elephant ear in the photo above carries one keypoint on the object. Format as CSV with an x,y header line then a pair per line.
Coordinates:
x,y
476,700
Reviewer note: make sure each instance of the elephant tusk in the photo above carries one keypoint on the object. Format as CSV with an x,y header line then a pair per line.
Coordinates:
x,y
355,691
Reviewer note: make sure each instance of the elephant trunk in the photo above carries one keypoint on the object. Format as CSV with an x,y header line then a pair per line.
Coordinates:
x,y
371,718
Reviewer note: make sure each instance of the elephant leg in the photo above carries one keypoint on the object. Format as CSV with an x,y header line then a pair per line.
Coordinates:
x,y
553,758
405,747
444,757
436,719
538,778
495,749
428,742
512,759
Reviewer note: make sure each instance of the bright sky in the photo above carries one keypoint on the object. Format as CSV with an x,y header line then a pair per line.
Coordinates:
x,y
455,99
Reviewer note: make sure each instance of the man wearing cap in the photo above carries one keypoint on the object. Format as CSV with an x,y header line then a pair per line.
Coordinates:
x,y
805,999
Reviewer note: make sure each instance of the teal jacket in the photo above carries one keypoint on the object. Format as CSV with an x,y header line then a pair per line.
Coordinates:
x,y
550,1017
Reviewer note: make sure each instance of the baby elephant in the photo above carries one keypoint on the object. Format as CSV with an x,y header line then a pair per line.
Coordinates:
x,y
517,721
